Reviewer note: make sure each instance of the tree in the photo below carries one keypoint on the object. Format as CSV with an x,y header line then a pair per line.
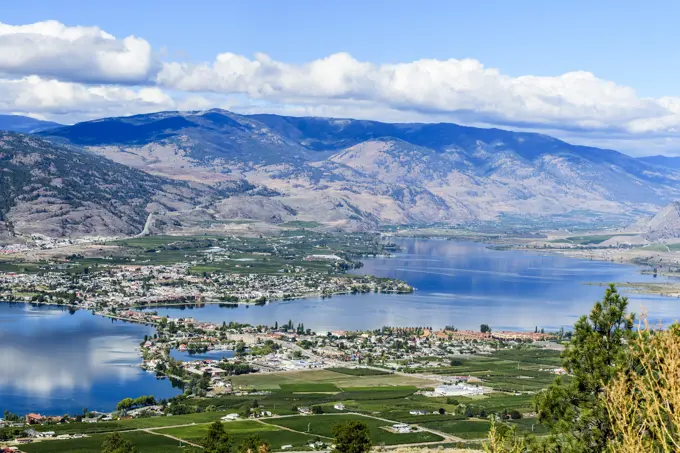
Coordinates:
x,y
442,411
643,400
484,328
114,443
575,411
317,410
352,437
125,404
515,414
217,440
503,440
254,444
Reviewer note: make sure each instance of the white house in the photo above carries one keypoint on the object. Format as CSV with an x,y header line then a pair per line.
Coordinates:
x,y
230,417
401,428
339,406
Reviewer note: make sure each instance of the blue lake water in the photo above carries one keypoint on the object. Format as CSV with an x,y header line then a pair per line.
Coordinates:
x,y
458,283
55,362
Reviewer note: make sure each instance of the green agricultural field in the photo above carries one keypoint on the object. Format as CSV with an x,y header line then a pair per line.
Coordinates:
x,y
276,436
359,371
593,239
145,443
300,224
137,423
309,388
511,370
343,381
322,425
465,429
377,393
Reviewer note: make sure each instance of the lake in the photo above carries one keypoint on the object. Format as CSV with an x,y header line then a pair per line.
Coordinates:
x,y
55,362
458,283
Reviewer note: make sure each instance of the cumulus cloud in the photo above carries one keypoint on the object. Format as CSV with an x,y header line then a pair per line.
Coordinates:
x,y
80,54
71,73
465,89
68,101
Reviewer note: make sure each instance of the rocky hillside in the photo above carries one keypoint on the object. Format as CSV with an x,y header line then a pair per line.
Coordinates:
x,y
57,191
664,225
352,173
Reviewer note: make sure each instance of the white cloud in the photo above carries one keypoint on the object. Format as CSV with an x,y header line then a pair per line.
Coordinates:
x,y
462,89
71,73
69,102
81,54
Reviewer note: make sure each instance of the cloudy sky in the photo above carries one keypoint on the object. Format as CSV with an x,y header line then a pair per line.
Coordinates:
x,y
603,74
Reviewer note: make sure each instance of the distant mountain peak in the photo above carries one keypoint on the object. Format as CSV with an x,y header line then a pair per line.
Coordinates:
x,y
25,124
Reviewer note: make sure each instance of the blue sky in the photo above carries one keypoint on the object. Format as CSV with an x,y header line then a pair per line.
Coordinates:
x,y
632,43
622,93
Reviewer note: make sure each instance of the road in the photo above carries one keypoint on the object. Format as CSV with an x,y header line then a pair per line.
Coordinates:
x,y
151,431
447,437
157,431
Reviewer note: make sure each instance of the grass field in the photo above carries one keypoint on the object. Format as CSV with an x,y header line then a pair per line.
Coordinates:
x,y
662,247
343,381
310,388
137,423
323,426
276,436
465,429
511,370
592,239
145,443
359,371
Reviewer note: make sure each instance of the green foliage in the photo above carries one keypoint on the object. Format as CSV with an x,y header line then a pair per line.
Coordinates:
x,y
217,440
304,388
359,371
575,410
352,437
484,328
114,443
254,444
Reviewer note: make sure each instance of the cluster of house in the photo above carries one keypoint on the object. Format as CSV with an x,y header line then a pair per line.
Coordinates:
x,y
128,285
469,335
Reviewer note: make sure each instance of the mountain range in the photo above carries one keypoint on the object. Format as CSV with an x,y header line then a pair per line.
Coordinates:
x,y
346,173
17,123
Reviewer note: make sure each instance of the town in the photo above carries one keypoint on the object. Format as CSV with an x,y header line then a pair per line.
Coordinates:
x,y
168,270
413,384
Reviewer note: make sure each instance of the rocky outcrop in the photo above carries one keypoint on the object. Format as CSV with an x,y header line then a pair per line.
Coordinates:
x,y
665,225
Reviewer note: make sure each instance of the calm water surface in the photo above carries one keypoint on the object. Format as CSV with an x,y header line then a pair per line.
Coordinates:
x,y
458,283
55,362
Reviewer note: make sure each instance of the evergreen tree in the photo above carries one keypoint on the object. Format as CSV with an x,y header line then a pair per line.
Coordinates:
x,y
114,443
217,440
575,411
254,444
352,437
